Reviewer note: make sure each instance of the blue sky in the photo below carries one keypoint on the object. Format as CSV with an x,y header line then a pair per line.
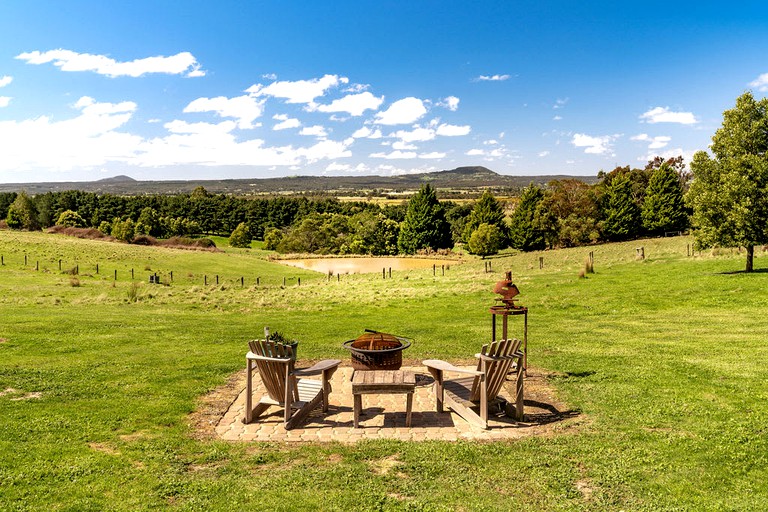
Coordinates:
x,y
211,90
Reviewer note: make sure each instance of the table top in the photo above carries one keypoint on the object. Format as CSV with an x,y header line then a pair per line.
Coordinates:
x,y
383,380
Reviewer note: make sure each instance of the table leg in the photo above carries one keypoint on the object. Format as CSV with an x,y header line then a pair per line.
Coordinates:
x,y
356,412
408,408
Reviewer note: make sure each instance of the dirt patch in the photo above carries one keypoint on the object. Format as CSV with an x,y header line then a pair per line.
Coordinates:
x,y
3,340
212,407
8,391
385,465
34,395
103,448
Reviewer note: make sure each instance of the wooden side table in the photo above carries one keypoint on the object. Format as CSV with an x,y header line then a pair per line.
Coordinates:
x,y
382,382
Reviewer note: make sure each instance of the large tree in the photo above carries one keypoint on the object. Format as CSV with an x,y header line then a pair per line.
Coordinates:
x,y
425,226
622,215
487,210
729,192
524,232
663,208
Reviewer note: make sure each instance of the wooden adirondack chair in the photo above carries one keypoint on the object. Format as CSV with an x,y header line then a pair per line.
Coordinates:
x,y
470,397
285,389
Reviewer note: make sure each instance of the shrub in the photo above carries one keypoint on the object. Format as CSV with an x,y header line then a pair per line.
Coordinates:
x,y
71,219
241,236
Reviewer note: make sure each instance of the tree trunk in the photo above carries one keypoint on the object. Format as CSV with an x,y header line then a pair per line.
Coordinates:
x,y
750,257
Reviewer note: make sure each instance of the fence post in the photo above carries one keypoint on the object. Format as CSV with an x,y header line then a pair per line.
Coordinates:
x,y
59,264
338,278
384,273
25,260
283,280
217,278
77,270
205,280
97,268
390,272
37,265
242,281
131,274
443,267
115,274
171,274
258,281
299,282
434,269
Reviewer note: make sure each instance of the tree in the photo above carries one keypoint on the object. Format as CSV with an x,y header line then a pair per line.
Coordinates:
x,y
70,219
523,232
22,213
485,240
123,230
272,238
663,207
622,215
729,193
487,210
241,236
424,226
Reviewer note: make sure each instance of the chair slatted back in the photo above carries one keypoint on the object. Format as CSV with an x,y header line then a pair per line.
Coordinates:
x,y
274,373
496,370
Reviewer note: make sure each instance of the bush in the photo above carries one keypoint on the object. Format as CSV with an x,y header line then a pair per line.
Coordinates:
x,y
70,219
487,239
241,236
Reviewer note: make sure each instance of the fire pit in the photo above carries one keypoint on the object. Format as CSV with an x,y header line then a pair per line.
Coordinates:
x,y
377,351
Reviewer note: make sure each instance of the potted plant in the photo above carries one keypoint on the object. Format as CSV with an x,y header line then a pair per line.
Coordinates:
x,y
279,338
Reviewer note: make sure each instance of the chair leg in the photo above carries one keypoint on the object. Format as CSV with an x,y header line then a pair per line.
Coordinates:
x,y
439,390
248,392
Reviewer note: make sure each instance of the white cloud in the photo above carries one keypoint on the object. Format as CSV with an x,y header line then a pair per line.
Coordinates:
x,y
243,108
560,103
355,88
557,118
475,152
451,103
4,101
316,131
760,82
451,130
269,76
325,150
415,135
335,167
593,145
67,60
404,146
664,115
542,154
490,142
207,129
492,78
405,111
299,91
88,140
367,133
394,155
432,156
353,104
5,80
286,122
657,142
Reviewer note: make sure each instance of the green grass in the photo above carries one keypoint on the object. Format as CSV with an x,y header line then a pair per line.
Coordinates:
x,y
665,358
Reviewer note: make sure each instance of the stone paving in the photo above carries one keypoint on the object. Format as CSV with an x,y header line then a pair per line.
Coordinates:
x,y
383,417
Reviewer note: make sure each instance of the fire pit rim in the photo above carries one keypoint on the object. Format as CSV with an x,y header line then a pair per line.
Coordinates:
x,y
404,344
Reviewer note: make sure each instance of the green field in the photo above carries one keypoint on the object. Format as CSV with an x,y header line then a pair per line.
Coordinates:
x,y
664,358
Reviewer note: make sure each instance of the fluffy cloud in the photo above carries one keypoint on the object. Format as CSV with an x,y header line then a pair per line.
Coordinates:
x,y
405,111
654,142
489,155
432,156
560,103
367,133
492,78
415,135
542,154
451,103
395,155
243,108
664,115
315,131
594,145
336,167
761,82
285,122
299,91
450,130
5,80
4,101
353,104
404,146
88,140
67,60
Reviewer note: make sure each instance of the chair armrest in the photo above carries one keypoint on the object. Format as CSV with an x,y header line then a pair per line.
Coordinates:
x,y
448,367
318,368
514,355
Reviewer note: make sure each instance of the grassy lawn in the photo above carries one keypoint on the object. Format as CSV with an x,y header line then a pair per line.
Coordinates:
x,y
665,359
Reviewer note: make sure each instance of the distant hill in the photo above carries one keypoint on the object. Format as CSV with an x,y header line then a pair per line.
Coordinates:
x,y
454,180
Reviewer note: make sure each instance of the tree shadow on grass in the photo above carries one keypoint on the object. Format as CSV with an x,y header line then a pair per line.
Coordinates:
x,y
737,272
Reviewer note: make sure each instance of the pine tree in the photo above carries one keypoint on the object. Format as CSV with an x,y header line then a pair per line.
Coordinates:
x,y
487,210
523,232
663,207
424,225
22,213
622,215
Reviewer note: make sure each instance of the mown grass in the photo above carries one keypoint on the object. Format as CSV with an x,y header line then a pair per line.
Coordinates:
x,y
665,358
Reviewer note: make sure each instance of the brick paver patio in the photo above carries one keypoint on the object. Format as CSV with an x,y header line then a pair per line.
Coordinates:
x,y
383,418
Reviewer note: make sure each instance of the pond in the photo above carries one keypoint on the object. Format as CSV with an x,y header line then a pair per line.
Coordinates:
x,y
365,265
